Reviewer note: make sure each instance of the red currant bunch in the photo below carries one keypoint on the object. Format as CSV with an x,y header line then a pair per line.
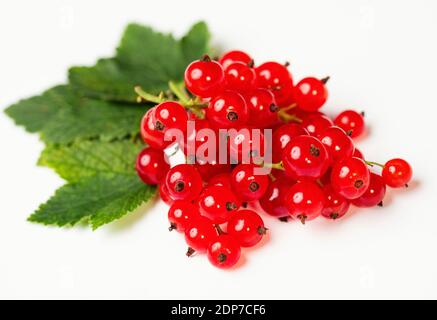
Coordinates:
x,y
259,148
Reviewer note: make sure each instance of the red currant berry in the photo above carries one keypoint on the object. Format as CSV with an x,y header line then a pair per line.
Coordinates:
x,y
277,78
222,179
305,201
248,185
193,139
234,56
351,122
336,206
180,214
224,252
350,177
263,111
210,169
217,203
227,110
273,201
151,135
397,173
305,157
282,136
239,77
338,144
310,94
151,165
198,234
374,194
358,154
246,145
247,227
164,195
204,78
316,124
183,182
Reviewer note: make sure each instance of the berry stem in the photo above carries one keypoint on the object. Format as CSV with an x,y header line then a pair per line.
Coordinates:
x,y
278,165
372,163
148,96
179,90
282,113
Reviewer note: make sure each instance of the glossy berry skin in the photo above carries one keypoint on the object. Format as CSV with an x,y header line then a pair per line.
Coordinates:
x,y
208,170
305,157
282,136
247,185
350,177
217,203
316,124
239,77
305,201
246,145
151,165
277,78
247,227
273,201
338,144
222,179
310,94
224,252
183,182
204,78
164,195
351,122
263,111
180,215
336,206
158,120
234,56
227,110
198,234
358,154
397,173
374,194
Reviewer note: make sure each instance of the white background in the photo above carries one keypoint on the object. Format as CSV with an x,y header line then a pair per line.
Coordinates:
x,y
381,56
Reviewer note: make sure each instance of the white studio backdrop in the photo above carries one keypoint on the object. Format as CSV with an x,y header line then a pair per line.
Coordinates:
x,y
381,59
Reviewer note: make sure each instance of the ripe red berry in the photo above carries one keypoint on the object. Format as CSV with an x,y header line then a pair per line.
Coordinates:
x,y
227,110
351,122
263,111
358,154
239,77
305,201
234,56
336,206
247,185
210,169
397,173
204,78
374,194
247,227
273,201
218,203
247,145
180,215
277,78
183,182
222,179
310,94
282,136
316,124
159,119
151,165
224,252
305,157
350,177
198,234
338,144
164,195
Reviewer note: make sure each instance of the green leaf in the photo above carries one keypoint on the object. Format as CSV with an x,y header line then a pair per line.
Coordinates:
x,y
100,199
88,158
63,117
144,57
